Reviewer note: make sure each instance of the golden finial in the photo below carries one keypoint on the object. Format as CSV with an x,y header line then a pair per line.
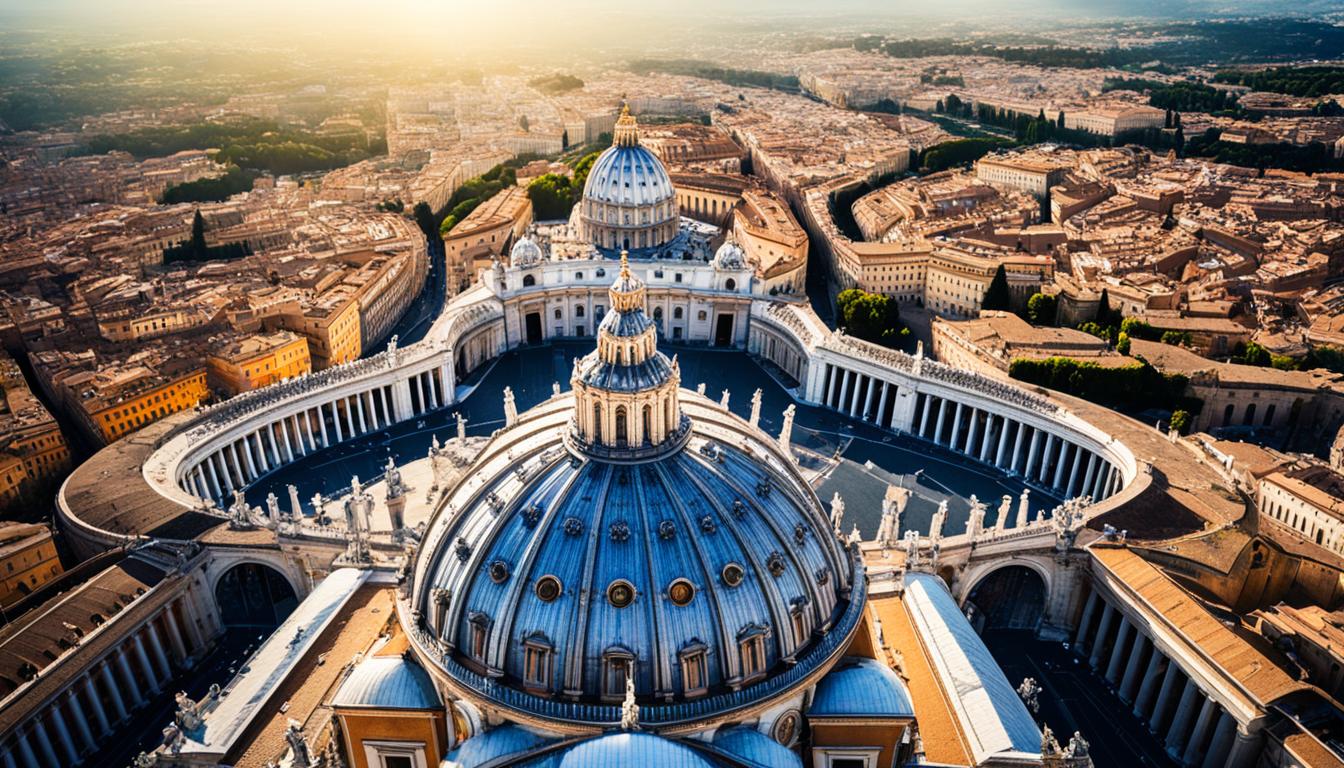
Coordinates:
x,y
625,264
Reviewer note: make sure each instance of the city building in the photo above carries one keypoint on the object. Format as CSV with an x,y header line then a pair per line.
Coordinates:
x,y
28,560
239,365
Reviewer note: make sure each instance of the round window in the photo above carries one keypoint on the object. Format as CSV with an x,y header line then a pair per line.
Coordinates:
x,y
620,593
548,588
499,571
732,574
681,591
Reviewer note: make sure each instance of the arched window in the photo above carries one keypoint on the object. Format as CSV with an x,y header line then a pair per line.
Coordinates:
x,y
648,424
617,662
676,313
1269,415
578,311
578,275
1227,413
597,422
658,314
621,437
529,281
730,284
1249,418
558,313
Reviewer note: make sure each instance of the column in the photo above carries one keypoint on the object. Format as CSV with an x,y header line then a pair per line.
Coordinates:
x,y
971,432
1107,616
942,419
882,408
96,704
142,657
1080,636
868,401
1245,749
81,722
1148,690
1164,696
1203,724
113,691
956,427
223,474
420,387
1103,471
247,455
1086,487
1179,733
44,741
987,443
1003,442
63,733
152,632
263,460
25,749
924,415
1134,666
852,407
1073,473
1221,743
1045,458
350,418
359,411
1059,463
387,412
306,422
1031,454
239,474
175,635
433,391
277,458
1118,650
304,447
284,438
336,419
1017,445
322,427
217,491
830,385
7,756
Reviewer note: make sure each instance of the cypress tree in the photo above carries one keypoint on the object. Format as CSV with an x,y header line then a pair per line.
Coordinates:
x,y
997,296
198,248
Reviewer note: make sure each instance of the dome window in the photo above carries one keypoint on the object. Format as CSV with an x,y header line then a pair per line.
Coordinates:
x,y
620,593
693,677
681,592
548,589
499,571
732,574
537,656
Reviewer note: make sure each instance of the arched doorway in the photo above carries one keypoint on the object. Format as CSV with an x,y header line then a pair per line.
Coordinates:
x,y
1011,597
254,595
621,436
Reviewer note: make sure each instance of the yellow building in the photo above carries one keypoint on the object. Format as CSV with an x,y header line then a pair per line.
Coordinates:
x,y
32,447
331,324
115,402
242,364
28,560
486,233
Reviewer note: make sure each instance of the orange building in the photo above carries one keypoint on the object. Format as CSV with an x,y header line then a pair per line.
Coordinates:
x,y
242,364
28,560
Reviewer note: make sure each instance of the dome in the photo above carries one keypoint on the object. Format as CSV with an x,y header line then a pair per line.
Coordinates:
x,y
633,749
666,539
729,256
751,747
628,176
525,253
628,202
390,682
860,687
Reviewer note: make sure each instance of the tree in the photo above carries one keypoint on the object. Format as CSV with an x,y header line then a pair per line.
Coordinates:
x,y
425,219
871,316
998,296
551,195
1253,354
1059,123
1180,419
1041,309
198,247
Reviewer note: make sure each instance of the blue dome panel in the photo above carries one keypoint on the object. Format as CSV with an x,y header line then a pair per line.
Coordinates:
x,y
633,750
860,687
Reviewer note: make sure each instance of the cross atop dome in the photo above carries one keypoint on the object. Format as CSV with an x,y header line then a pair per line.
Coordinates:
x,y
626,133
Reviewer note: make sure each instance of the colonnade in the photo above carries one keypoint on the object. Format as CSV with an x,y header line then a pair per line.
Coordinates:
x,y
239,462
70,728
1037,454
1195,728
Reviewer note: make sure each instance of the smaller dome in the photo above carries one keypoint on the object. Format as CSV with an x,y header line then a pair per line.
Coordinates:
x,y
752,747
493,746
859,687
624,749
388,682
730,256
525,253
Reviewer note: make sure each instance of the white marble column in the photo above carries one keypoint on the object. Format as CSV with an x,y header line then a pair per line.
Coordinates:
x,y
924,414
1086,487
1194,748
180,641
1186,709
1073,473
336,419
1017,445
152,632
868,400
44,742
941,420
956,427
971,433
1129,681
81,721
142,657
284,437
96,705
63,737
1003,442
113,690
1148,689
1029,471
987,442
1080,636
322,427
1103,631
1059,463
1221,743
830,385
1118,650
420,387
359,411
1246,748
26,749
263,457
1045,458
1170,683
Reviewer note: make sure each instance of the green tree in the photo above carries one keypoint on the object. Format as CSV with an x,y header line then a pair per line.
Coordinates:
x,y
870,316
1253,354
997,295
1041,309
198,246
551,195
1180,420
425,219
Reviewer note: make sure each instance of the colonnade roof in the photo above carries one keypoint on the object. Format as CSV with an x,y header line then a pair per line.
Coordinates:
x,y
1250,668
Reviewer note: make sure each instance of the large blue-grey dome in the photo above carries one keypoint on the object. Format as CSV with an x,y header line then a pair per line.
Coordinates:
x,y
628,176
582,547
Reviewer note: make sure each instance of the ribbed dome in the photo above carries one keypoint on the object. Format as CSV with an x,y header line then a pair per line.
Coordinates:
x,y
525,253
729,256
628,176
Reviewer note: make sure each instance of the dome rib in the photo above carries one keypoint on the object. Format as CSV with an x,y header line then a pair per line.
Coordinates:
x,y
662,670
574,658
522,570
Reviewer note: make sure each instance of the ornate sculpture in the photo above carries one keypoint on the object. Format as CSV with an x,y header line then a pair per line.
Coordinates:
x,y
893,507
786,431
510,408
975,523
1030,692
756,408
723,400
298,745
392,351
629,709
1005,507
936,524
240,515
1023,511
188,715
461,427
837,512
